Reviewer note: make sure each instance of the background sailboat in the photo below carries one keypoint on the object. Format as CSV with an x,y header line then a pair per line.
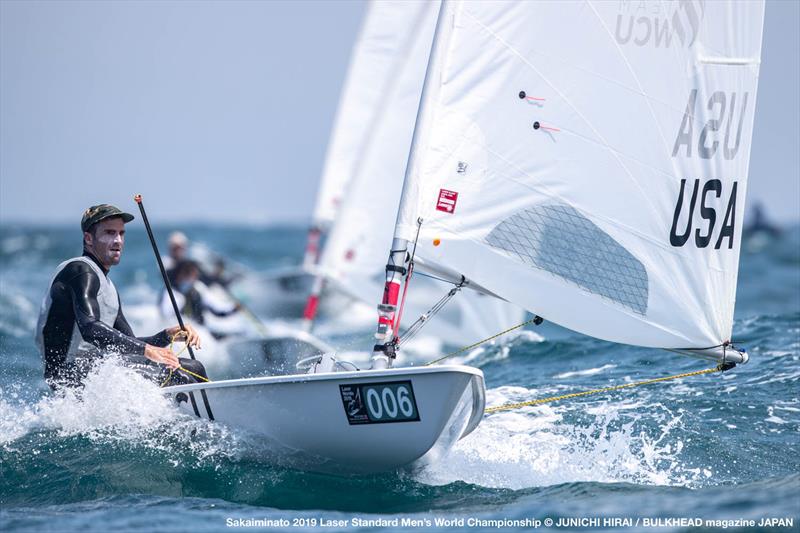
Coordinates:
x,y
382,45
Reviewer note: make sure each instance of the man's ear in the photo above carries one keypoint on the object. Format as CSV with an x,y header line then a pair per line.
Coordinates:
x,y
87,239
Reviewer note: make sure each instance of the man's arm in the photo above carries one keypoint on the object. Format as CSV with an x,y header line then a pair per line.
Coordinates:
x,y
84,286
121,324
164,337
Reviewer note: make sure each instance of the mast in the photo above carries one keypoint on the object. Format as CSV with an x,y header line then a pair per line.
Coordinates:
x,y
383,352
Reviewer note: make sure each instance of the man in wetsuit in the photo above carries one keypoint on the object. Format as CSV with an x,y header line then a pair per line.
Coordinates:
x,y
81,317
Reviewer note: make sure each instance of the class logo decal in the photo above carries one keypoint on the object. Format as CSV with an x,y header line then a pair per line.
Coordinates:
x,y
447,201
661,24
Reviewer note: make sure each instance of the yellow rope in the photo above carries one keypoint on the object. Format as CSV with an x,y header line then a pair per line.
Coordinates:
x,y
169,376
172,343
508,407
198,376
471,346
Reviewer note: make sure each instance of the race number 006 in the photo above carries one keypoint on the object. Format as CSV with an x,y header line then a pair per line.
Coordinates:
x,y
390,402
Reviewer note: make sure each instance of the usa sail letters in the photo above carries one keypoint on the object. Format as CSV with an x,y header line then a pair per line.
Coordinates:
x,y
703,238
707,142
700,197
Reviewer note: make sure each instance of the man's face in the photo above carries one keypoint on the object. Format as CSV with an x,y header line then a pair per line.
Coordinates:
x,y
106,241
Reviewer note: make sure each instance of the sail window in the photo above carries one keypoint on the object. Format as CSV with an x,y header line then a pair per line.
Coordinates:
x,y
560,240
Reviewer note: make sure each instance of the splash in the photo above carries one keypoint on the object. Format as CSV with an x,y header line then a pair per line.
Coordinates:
x,y
550,445
116,405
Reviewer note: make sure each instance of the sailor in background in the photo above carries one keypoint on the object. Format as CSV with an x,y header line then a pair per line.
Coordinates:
x,y
81,317
211,273
760,223
760,233
178,246
193,297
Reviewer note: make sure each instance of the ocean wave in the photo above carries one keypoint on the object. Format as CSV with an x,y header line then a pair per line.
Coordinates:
x,y
17,313
587,372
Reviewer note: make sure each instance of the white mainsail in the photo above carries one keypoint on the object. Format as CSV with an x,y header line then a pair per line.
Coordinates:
x,y
592,171
366,217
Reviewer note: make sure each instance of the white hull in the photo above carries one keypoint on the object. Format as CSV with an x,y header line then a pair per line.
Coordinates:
x,y
320,422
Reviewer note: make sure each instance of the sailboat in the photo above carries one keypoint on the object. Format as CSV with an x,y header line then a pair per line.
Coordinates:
x,y
382,46
593,176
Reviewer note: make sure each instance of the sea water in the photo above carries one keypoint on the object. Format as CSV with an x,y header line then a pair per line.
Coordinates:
x,y
708,452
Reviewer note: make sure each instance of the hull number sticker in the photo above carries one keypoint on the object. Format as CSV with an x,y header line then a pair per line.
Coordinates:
x,y
379,403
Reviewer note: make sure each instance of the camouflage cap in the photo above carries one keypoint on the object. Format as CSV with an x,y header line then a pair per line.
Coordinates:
x,y
96,213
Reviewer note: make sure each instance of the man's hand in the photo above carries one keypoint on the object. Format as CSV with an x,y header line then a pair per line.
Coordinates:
x,y
188,335
163,356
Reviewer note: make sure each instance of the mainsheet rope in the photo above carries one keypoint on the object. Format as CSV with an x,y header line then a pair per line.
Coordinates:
x,y
471,346
518,405
169,376
722,367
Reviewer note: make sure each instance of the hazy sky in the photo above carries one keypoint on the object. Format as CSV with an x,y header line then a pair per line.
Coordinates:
x,y
222,111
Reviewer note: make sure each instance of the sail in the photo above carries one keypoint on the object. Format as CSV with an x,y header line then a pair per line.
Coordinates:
x,y
357,241
369,76
588,160
365,221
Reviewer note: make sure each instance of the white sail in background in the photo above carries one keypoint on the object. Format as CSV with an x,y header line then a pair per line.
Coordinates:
x,y
357,241
593,171
369,76
365,221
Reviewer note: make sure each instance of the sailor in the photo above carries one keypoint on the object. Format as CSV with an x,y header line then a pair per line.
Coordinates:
x,y
193,296
761,224
178,246
179,252
81,316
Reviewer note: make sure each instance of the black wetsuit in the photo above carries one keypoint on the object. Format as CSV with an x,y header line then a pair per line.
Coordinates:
x,y
74,303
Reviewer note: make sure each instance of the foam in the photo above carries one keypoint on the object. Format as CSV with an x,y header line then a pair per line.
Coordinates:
x,y
539,446
115,405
